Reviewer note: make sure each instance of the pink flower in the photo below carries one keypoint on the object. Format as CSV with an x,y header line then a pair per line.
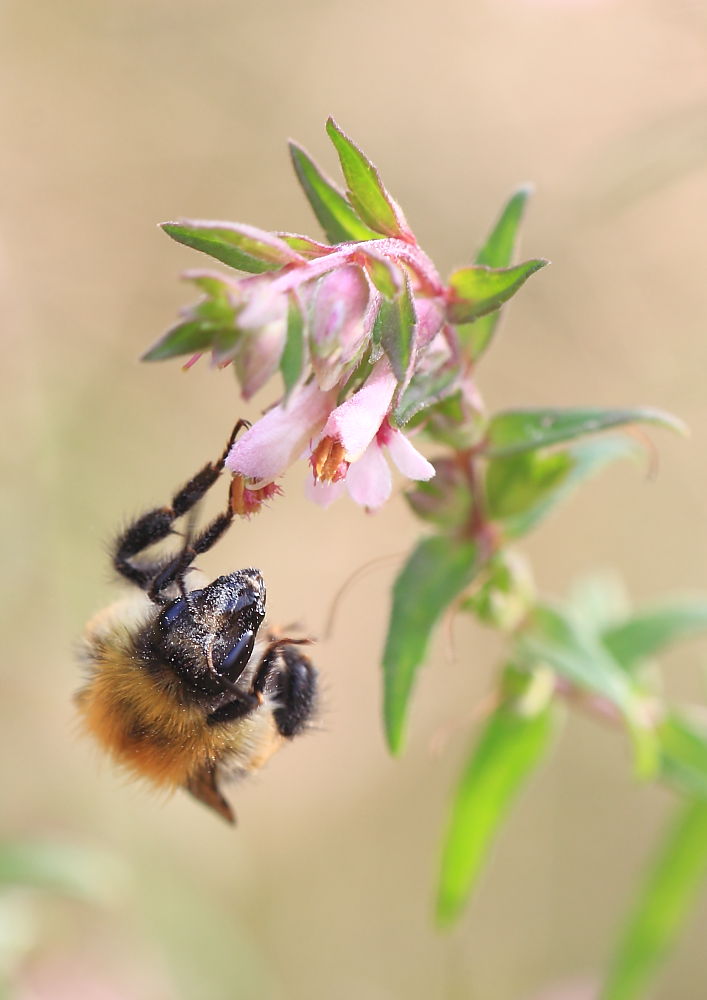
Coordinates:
x,y
278,438
368,480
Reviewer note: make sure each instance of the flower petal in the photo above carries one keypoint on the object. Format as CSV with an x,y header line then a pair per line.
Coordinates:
x,y
258,356
407,458
356,422
278,438
323,494
369,481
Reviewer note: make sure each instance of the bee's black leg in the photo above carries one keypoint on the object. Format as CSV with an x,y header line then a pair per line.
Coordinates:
x,y
294,682
156,525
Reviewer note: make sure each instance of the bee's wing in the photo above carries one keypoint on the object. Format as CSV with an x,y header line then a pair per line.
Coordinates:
x,y
202,785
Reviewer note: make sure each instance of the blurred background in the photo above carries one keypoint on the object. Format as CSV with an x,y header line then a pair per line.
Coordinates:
x,y
119,114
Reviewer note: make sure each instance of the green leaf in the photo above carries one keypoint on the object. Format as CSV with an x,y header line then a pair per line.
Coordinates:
x,y
683,746
365,188
305,246
555,638
60,868
518,483
395,327
436,572
650,631
242,247
292,358
512,744
384,275
558,639
525,430
425,389
524,487
662,906
497,251
190,337
481,290
336,216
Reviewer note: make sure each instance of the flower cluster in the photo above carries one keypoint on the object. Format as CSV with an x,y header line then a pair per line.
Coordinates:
x,y
362,329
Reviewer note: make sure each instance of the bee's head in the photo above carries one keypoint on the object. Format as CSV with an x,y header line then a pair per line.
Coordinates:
x,y
214,627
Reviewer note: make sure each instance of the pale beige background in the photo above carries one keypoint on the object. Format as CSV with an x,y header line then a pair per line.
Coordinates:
x,y
119,114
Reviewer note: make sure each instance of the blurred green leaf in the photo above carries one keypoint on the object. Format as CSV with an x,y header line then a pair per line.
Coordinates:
x,y
395,327
525,430
554,637
242,247
662,905
643,635
683,746
557,638
524,487
84,873
481,290
497,251
336,216
365,188
190,337
292,358
518,483
512,743
506,593
436,572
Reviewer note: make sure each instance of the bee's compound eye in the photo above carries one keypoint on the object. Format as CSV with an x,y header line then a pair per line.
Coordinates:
x,y
236,660
172,612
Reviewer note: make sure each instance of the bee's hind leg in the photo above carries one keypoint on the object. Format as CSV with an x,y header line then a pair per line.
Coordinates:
x,y
290,677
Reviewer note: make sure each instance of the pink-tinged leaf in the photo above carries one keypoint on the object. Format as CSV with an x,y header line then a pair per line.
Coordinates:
x,y
242,247
304,245
191,337
336,216
365,188
477,291
215,285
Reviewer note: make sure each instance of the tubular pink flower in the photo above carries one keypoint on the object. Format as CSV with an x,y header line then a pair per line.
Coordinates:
x,y
356,422
279,437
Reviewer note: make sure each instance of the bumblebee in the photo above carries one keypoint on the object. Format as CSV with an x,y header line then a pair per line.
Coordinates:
x,y
180,689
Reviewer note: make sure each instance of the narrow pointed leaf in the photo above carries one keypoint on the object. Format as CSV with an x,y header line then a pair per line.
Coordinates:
x,y
524,430
662,906
365,188
242,247
190,337
481,290
336,216
424,390
497,251
435,574
305,246
292,358
650,631
500,244
511,745
395,329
